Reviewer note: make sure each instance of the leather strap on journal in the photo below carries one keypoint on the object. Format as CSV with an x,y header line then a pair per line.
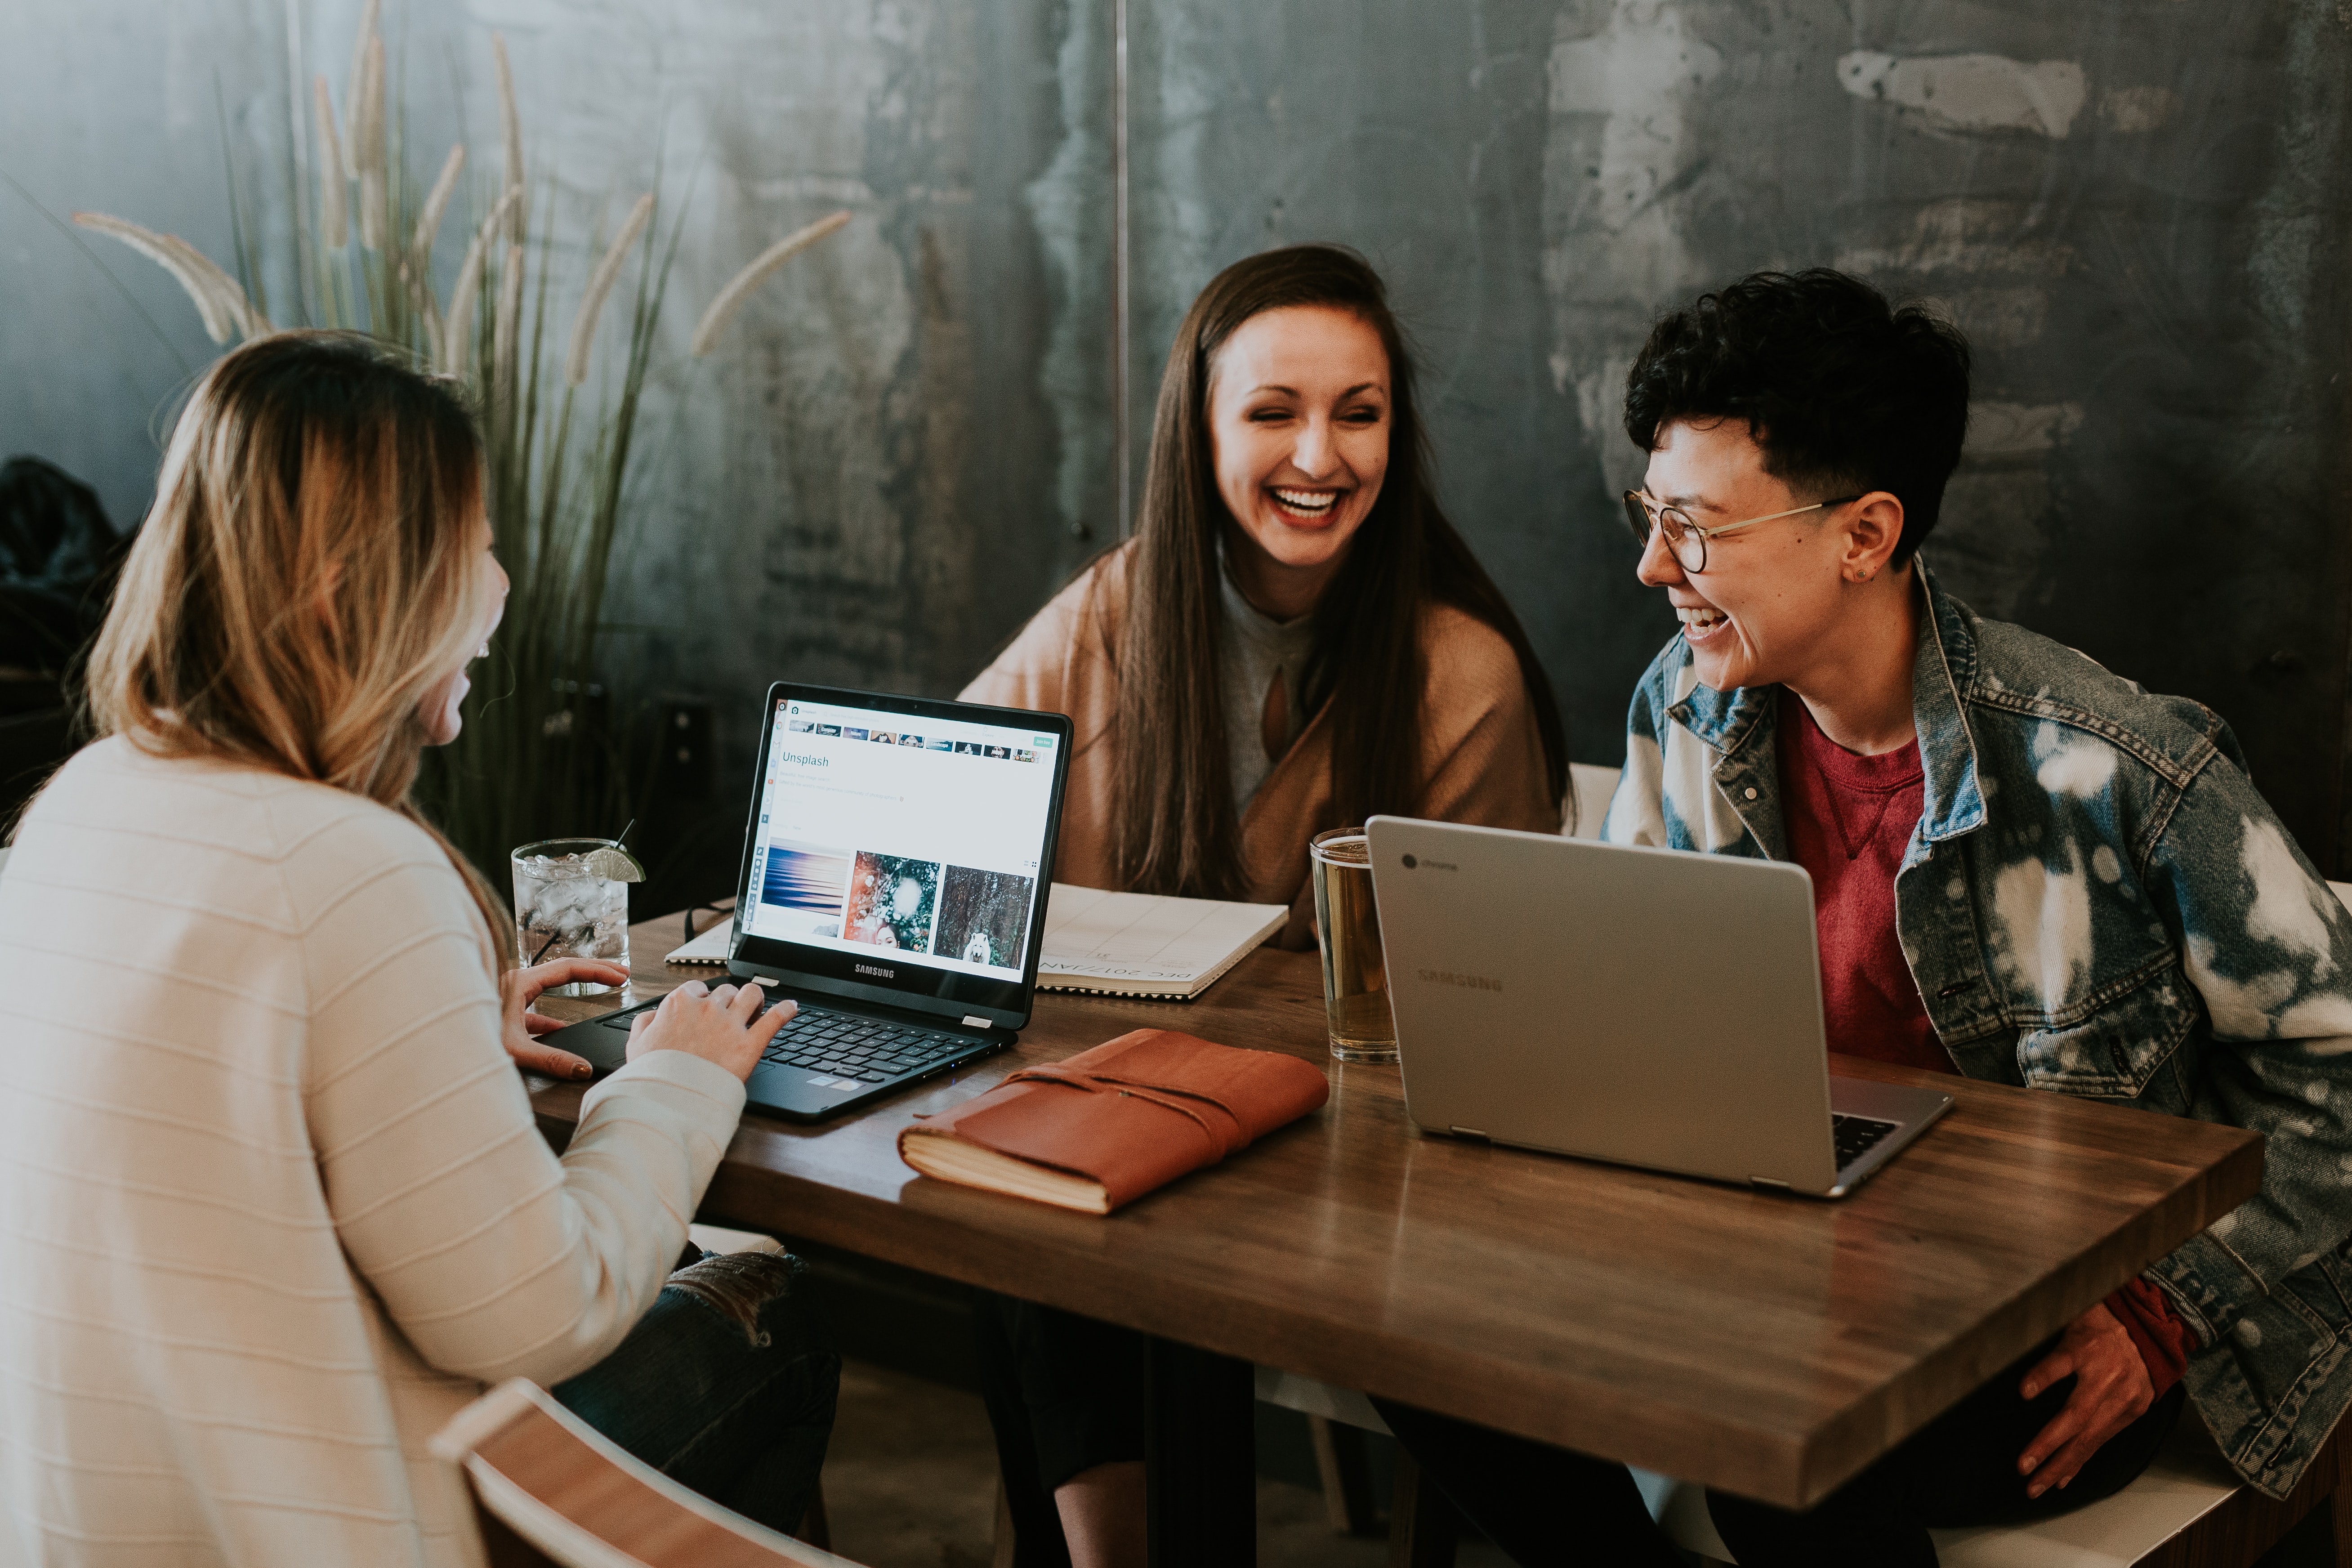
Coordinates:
x,y
1225,1133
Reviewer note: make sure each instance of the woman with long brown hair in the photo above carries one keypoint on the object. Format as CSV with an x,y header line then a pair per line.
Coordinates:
x,y
1296,639
272,1202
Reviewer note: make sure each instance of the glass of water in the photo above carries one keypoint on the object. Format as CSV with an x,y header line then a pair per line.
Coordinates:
x,y
567,904
1347,929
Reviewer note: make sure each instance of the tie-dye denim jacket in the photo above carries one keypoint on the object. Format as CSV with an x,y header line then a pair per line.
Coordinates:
x,y
2096,901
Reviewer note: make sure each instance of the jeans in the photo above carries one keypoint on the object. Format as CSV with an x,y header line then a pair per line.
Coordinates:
x,y
723,1387
1549,1507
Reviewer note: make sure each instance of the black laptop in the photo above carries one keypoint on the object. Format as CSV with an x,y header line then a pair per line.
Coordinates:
x,y
894,882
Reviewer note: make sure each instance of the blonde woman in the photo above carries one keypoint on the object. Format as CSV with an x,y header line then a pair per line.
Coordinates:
x,y
272,1203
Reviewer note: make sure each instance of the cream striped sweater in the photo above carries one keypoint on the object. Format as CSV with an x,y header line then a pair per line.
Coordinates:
x,y
272,1204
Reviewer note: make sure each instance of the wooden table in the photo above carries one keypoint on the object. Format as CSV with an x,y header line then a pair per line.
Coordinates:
x,y
1768,1344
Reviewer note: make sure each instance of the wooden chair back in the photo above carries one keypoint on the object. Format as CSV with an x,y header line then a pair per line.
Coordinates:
x,y
549,1489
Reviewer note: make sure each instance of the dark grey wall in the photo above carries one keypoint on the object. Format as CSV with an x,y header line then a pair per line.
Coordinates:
x,y
2127,205
900,447
109,104
909,440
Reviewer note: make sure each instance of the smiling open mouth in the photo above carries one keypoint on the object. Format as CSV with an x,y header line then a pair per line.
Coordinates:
x,y
1307,505
1700,618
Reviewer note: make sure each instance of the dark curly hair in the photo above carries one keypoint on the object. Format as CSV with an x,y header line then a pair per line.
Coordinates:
x,y
1843,393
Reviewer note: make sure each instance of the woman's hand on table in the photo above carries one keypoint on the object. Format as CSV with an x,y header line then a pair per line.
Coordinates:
x,y
718,1026
518,988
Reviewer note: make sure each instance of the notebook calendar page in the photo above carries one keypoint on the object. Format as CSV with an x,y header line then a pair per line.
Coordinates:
x,y
1094,934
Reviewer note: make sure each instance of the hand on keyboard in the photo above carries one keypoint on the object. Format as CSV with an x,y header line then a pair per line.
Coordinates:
x,y
727,1025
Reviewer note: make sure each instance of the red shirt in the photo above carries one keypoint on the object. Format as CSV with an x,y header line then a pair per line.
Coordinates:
x,y
1849,819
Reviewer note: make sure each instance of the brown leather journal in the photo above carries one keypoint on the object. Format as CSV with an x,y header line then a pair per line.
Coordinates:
x,y
1113,1123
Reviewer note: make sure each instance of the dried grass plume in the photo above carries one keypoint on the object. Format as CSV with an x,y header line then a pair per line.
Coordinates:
x,y
428,221
731,298
334,225
368,152
506,334
511,125
458,334
354,83
218,299
592,304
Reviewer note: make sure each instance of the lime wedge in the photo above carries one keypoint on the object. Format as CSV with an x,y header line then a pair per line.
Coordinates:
x,y
614,864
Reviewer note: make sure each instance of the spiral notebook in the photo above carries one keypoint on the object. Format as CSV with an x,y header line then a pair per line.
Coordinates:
x,y
1111,944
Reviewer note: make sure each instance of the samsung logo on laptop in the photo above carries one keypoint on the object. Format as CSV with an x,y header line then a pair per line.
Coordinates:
x,y
881,974
1412,860
1473,982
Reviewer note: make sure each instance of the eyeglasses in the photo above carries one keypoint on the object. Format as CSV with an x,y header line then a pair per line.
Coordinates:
x,y
1687,539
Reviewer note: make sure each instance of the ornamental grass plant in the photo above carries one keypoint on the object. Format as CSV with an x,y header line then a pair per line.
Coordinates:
x,y
544,753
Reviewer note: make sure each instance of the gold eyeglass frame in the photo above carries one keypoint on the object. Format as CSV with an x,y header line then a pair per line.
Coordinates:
x,y
1641,520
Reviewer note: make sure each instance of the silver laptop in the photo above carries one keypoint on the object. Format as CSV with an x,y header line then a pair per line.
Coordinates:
x,y
1650,1008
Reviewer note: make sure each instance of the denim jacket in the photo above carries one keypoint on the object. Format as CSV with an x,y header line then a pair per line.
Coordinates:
x,y
2096,901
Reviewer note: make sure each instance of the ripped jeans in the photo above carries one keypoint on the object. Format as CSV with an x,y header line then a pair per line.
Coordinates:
x,y
723,1386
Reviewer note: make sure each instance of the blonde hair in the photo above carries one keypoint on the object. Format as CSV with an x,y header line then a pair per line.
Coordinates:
x,y
311,568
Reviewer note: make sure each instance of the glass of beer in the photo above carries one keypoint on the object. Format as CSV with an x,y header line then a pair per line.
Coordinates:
x,y
1347,929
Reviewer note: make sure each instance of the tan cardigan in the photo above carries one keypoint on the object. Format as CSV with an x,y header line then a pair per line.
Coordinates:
x,y
1481,751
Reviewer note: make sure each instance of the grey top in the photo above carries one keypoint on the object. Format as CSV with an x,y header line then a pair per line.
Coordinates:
x,y
1253,651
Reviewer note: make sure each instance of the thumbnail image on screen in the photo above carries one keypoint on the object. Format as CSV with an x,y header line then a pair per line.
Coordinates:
x,y
804,886
893,901
983,915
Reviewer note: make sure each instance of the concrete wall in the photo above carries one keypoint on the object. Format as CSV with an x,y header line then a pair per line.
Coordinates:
x,y
2127,205
909,439
901,446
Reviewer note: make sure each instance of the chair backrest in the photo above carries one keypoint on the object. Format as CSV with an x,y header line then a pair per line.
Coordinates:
x,y
549,1487
1590,789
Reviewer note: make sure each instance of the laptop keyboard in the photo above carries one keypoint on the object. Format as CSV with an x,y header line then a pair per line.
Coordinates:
x,y
1857,1136
867,1049
871,1050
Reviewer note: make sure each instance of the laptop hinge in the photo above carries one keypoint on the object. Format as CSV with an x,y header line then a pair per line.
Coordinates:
x,y
1469,1133
1766,1181
974,1021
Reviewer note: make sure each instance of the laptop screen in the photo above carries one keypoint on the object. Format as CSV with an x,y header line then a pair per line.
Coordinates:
x,y
905,846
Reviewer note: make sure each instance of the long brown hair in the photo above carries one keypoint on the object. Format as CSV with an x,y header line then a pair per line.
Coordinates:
x,y
1178,829
313,566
